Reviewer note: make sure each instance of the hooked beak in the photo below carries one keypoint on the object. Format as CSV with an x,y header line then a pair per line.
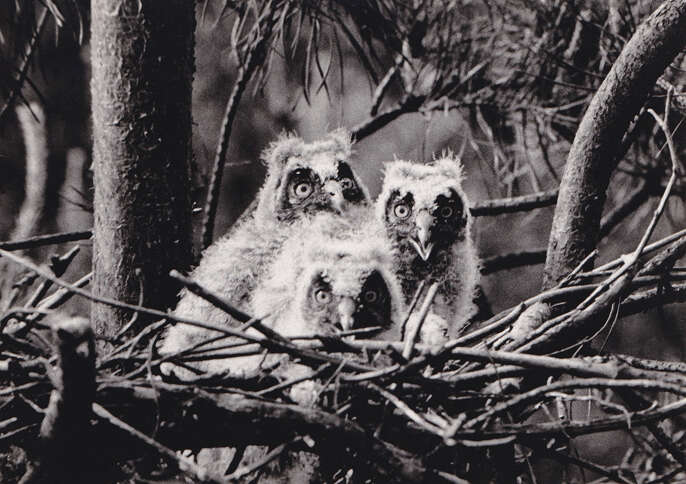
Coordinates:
x,y
335,192
346,310
424,223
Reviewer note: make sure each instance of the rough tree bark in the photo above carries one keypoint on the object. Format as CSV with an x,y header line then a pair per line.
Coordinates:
x,y
142,61
593,155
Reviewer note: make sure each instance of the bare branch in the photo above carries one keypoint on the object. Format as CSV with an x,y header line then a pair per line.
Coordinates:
x,y
512,260
26,63
514,204
254,57
587,172
43,240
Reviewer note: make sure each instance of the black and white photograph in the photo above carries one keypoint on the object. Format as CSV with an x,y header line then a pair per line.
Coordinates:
x,y
343,241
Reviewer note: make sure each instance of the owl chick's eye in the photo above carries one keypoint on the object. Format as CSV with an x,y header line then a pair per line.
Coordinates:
x,y
370,296
347,184
322,297
445,212
302,190
402,210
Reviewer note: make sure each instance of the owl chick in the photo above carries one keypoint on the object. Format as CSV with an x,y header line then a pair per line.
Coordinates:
x,y
426,215
335,275
303,179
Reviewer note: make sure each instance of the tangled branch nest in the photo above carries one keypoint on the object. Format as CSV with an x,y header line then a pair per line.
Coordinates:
x,y
435,413
438,414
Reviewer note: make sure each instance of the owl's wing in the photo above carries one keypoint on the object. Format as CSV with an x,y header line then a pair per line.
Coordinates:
x,y
275,293
463,278
231,267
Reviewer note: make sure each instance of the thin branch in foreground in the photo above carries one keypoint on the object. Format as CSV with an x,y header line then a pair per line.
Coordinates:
x,y
307,355
243,471
630,267
582,463
384,85
184,464
405,409
590,161
573,384
48,239
222,304
649,248
421,316
230,419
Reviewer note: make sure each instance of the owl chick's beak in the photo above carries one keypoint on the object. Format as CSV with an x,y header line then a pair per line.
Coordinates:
x,y
335,192
424,222
346,310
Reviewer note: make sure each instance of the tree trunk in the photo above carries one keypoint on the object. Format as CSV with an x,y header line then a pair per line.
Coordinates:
x,y
142,62
593,155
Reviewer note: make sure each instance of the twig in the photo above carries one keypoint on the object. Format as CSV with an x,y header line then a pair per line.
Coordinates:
x,y
574,428
406,105
49,239
404,408
630,261
413,304
306,354
502,262
544,451
384,85
241,472
294,381
570,277
630,204
222,304
423,312
184,463
677,102
255,55
59,266
523,203
649,248
573,384
26,63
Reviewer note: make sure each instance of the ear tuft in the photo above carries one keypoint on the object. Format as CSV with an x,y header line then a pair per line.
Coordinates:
x,y
342,141
278,152
450,165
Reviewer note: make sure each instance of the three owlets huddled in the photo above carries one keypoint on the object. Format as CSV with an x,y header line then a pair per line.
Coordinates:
x,y
318,257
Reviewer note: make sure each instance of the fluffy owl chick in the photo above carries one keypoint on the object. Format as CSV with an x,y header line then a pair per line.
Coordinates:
x,y
426,215
303,179
333,276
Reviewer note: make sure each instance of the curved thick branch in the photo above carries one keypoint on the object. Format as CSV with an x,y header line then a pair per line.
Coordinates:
x,y
593,155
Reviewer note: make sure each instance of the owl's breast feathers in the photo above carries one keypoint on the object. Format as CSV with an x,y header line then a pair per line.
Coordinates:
x,y
455,268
